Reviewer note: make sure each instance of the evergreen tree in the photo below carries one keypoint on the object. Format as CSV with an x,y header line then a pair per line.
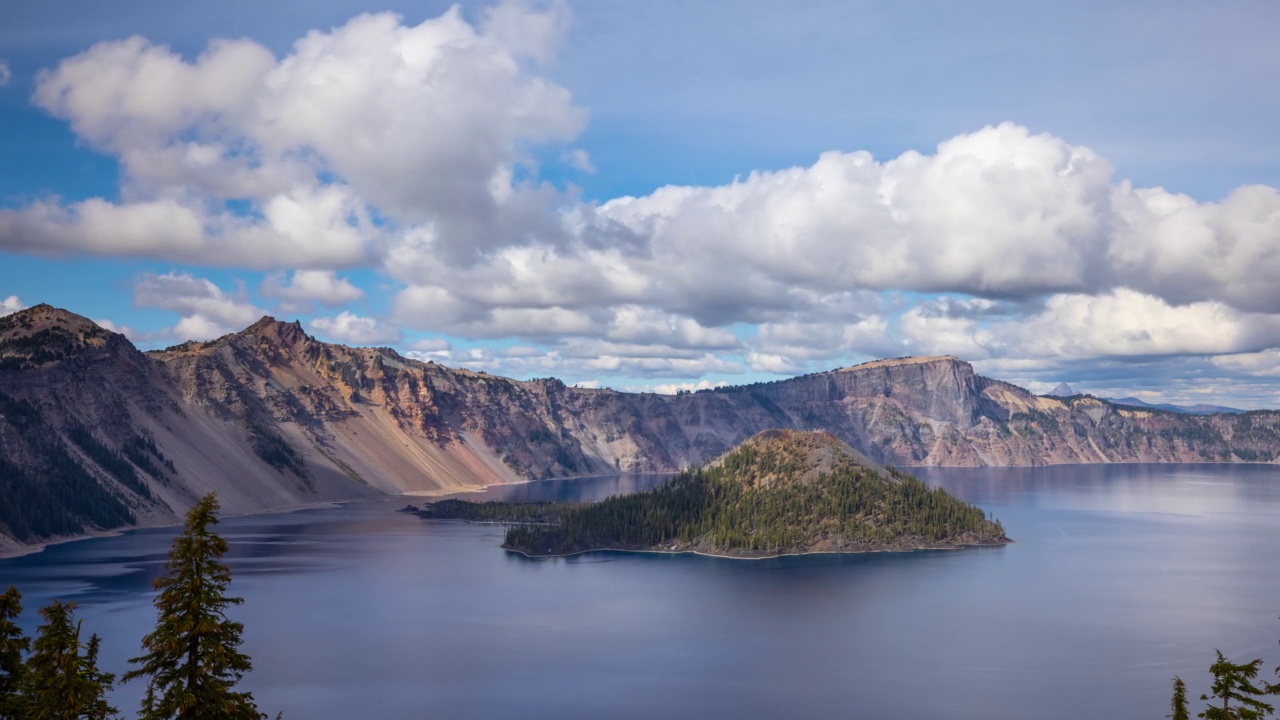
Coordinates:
x,y
1274,688
1179,704
1234,682
13,645
61,683
192,661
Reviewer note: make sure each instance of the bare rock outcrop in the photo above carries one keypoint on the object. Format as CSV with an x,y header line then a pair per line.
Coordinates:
x,y
95,434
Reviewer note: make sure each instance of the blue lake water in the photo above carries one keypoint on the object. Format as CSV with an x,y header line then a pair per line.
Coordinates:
x,y
1121,577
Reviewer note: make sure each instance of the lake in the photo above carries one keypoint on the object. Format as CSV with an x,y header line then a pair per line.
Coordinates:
x,y
1120,577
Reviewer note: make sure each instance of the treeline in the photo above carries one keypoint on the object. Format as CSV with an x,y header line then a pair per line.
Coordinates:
x,y
54,495
191,662
276,451
499,512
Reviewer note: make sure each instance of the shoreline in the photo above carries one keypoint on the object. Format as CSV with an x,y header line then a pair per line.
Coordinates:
x,y
965,546
22,550
14,549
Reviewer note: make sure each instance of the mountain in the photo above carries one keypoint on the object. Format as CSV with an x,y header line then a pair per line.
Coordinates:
x,y
781,492
1197,409
95,435
1063,390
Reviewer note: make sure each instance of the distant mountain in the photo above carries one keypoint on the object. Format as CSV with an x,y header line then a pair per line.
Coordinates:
x,y
1063,390
96,435
781,492
1199,409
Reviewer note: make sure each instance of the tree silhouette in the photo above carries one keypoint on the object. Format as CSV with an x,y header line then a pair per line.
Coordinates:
x,y
1234,682
13,645
60,682
1179,703
192,661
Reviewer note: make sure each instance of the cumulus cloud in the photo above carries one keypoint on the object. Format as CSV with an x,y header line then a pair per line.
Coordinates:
x,y
1129,323
355,330
1001,216
423,125
6,75
1264,363
639,325
407,149
135,335
430,345
206,310
579,159
11,305
771,363
673,388
299,291
1071,326
586,359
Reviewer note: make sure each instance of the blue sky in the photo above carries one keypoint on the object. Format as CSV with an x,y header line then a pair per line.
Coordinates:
x,y
664,194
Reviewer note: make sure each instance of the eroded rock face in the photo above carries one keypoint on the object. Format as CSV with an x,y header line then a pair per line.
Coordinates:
x,y
270,417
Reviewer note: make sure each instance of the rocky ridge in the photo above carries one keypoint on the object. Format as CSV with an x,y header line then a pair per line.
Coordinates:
x,y
271,418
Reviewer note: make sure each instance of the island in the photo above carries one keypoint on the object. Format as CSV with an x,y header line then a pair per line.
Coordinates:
x,y
781,492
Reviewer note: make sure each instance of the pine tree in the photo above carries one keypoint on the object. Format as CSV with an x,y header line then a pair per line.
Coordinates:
x,y
13,645
192,661
1179,703
1234,682
61,683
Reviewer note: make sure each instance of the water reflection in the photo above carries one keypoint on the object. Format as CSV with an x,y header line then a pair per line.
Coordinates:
x,y
590,489
1121,576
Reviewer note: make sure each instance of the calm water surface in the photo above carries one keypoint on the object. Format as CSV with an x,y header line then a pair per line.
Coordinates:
x,y
1121,576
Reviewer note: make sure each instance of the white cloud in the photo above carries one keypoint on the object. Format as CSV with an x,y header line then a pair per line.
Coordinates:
x,y
635,324
207,312
673,388
11,305
768,363
356,330
1120,324
299,290
997,214
430,345
586,359
579,159
408,149
6,75
805,340
1128,323
420,124
129,332
1265,363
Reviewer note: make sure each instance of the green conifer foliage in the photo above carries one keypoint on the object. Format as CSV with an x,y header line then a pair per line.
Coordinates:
x,y
62,680
192,661
1233,683
1179,703
13,645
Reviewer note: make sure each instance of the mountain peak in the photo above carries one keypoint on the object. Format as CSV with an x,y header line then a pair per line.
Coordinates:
x,y
43,334
43,315
908,360
1063,390
791,454
288,333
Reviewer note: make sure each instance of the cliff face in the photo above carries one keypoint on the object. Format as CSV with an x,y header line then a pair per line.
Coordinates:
x,y
270,418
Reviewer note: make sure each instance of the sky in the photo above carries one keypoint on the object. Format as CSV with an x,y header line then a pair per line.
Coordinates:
x,y
664,195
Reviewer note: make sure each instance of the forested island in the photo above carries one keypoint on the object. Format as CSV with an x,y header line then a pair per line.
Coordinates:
x,y
782,492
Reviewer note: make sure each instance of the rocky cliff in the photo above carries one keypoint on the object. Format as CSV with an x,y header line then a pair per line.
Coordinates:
x,y
95,434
